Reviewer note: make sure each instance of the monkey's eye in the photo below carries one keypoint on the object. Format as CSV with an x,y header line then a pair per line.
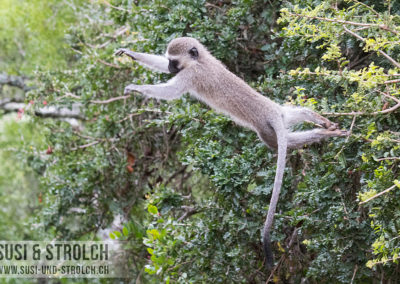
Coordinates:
x,y
194,53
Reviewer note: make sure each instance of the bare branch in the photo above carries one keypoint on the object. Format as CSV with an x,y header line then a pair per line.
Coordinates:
x,y
368,7
189,211
392,81
95,138
112,38
387,158
86,145
114,7
110,100
108,64
345,113
143,110
379,194
354,274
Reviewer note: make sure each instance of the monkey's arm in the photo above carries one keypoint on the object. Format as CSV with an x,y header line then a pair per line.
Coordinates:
x,y
156,62
166,91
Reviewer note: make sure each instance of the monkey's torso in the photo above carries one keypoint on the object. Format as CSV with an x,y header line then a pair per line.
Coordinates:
x,y
247,108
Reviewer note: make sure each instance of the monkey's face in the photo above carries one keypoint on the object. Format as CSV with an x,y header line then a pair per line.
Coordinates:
x,y
173,66
182,53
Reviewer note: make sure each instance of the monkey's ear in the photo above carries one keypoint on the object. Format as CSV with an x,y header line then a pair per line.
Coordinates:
x,y
194,53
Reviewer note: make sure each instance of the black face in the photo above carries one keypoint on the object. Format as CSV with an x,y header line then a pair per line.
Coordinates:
x,y
173,66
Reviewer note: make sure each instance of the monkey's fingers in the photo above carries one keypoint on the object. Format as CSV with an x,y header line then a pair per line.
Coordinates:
x,y
340,133
346,133
125,51
129,90
120,52
333,126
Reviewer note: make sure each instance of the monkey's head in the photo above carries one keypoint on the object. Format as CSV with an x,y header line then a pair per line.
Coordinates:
x,y
183,52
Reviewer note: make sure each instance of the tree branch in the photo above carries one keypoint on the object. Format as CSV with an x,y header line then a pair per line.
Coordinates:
x,y
110,100
392,81
379,194
387,158
115,7
189,211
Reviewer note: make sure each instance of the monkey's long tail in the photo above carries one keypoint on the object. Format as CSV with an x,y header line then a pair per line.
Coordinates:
x,y
282,149
269,256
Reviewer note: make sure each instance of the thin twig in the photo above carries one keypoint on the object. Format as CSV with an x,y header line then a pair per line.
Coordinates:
x,y
379,194
110,100
95,138
368,7
344,113
108,64
392,81
351,128
271,275
86,145
214,6
117,33
387,158
143,110
114,7
354,274
77,51
189,211
348,137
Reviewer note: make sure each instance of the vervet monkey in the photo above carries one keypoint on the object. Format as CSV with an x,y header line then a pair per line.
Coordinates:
x,y
203,76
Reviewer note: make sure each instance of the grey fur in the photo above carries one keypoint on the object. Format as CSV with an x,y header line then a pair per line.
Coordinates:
x,y
207,79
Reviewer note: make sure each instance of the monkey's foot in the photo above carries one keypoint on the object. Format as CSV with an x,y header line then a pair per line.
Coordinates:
x,y
330,125
338,132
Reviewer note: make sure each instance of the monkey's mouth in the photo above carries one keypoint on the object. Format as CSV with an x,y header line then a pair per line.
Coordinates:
x,y
173,66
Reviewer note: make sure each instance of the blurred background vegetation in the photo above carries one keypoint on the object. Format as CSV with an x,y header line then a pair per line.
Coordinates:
x,y
186,187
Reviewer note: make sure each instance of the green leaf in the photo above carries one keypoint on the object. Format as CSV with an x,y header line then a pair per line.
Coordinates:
x,y
117,234
125,231
152,209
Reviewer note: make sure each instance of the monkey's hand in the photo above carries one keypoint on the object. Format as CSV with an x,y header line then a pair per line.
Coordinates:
x,y
126,51
132,88
329,124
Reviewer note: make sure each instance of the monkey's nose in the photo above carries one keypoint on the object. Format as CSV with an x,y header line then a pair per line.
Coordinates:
x,y
173,66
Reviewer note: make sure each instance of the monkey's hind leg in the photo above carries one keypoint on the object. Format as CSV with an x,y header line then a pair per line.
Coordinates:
x,y
300,138
295,115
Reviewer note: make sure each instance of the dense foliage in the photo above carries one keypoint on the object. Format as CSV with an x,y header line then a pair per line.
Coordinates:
x,y
191,188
